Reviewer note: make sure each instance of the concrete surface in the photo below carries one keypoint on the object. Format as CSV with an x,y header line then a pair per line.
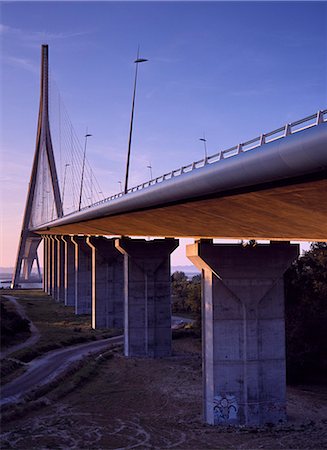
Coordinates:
x,y
83,276
69,271
60,269
243,331
107,283
147,295
54,267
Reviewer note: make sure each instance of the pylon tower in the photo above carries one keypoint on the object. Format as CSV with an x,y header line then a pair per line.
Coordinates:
x,y
29,241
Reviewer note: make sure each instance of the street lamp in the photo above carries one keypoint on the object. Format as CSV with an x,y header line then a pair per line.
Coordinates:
x,y
150,168
83,167
64,184
205,147
137,62
121,186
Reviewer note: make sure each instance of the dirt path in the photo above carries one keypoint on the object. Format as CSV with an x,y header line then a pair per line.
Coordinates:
x,y
35,334
44,369
142,403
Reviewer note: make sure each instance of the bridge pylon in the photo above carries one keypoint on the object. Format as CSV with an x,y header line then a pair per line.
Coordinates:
x,y
43,177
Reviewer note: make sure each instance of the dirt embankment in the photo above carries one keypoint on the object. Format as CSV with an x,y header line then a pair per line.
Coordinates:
x,y
144,403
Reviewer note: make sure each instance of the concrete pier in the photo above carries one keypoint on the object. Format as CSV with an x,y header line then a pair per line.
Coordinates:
x,y
69,272
83,276
54,258
107,283
243,331
147,296
49,265
60,269
45,263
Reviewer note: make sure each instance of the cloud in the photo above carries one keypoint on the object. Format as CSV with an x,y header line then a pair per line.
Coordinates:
x,y
22,63
35,36
4,29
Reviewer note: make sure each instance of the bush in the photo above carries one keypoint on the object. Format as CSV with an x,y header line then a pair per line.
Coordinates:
x,y
306,317
12,325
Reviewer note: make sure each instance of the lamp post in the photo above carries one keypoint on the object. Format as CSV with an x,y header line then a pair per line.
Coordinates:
x,y
137,62
150,168
83,167
63,185
121,186
205,147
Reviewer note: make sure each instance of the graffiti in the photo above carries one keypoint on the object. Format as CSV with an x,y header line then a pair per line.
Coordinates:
x,y
225,408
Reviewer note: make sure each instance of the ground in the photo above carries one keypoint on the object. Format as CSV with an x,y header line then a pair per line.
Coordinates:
x,y
144,403
56,326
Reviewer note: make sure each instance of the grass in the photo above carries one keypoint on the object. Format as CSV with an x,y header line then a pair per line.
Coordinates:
x,y
77,374
58,325
10,369
14,329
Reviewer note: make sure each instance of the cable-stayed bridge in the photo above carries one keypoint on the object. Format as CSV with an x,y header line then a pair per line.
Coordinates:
x,y
272,187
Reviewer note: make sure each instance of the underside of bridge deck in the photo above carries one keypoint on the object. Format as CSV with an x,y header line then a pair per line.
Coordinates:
x,y
289,212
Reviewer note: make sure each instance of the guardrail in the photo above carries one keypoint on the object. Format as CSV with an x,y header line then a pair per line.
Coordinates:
x,y
286,130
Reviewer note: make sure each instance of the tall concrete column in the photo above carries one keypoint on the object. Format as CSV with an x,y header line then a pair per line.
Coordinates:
x,y
107,283
54,267
60,269
45,264
243,331
147,296
83,276
69,273
50,265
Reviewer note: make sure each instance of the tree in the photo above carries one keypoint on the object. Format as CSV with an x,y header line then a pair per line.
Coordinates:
x,y
186,293
306,316
179,291
193,302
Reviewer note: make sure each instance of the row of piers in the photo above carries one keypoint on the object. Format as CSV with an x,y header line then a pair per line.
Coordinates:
x,y
125,283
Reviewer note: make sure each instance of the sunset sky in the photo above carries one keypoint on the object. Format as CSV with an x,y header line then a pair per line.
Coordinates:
x,y
231,70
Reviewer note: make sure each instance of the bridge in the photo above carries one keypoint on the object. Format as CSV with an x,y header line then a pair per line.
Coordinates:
x,y
272,187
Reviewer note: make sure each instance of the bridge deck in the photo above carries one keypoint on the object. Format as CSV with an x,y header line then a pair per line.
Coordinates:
x,y
276,191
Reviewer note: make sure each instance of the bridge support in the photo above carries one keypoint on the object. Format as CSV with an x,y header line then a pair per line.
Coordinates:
x,y
28,244
243,331
69,271
54,267
48,272
107,284
83,276
45,264
60,269
147,296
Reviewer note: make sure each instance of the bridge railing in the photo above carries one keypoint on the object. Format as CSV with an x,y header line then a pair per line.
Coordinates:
x,y
279,133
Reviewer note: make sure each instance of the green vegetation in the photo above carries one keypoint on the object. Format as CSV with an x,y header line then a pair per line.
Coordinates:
x,y
306,316
14,329
75,376
186,300
186,294
58,326
10,369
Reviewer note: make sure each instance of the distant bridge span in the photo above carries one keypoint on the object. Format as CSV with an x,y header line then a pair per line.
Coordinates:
x,y
276,191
